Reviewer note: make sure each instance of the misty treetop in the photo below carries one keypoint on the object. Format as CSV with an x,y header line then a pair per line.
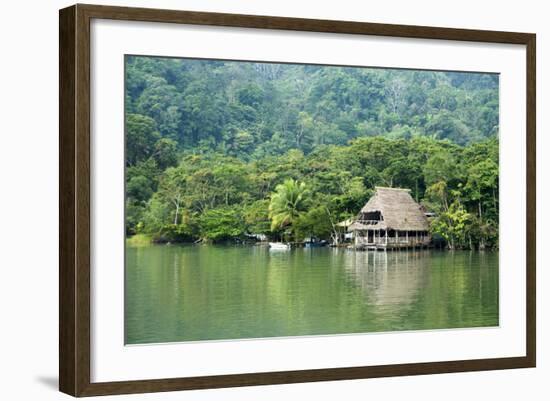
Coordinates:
x,y
214,147
252,110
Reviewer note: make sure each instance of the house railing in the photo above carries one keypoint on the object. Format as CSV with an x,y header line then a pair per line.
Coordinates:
x,y
382,240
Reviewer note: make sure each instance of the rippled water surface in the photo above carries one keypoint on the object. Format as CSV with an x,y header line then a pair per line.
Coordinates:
x,y
188,293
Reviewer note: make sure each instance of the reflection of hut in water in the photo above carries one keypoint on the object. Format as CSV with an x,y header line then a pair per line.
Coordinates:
x,y
392,280
391,219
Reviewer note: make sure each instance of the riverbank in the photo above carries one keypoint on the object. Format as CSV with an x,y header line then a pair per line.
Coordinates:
x,y
139,240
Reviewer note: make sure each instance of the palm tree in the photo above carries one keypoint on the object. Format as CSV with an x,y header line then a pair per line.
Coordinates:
x,y
288,202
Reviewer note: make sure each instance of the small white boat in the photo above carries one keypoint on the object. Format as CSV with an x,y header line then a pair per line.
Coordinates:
x,y
279,246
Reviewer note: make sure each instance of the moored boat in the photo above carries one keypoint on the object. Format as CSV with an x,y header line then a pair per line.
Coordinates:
x,y
279,246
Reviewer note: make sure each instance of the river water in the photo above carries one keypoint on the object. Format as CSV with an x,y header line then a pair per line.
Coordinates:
x,y
207,292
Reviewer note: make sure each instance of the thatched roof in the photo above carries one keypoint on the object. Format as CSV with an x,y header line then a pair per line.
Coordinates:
x,y
346,223
357,226
398,208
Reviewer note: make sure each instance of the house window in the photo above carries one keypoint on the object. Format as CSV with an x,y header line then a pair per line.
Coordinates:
x,y
373,216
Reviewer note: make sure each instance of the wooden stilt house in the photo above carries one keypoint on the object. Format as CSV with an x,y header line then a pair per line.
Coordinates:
x,y
391,219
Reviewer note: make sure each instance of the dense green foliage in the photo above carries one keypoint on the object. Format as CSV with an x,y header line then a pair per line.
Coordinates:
x,y
221,150
287,205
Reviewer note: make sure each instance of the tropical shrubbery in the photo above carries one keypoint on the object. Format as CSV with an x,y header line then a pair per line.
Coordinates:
x,y
220,150
218,198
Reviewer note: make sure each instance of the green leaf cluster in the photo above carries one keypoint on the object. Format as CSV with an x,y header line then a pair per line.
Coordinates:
x,y
221,150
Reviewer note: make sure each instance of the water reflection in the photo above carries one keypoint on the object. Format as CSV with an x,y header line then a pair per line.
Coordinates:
x,y
389,281
183,293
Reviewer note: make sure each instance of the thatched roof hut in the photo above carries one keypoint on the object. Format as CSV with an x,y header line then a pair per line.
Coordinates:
x,y
391,209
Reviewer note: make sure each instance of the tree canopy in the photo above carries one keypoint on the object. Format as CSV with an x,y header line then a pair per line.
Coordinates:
x,y
217,150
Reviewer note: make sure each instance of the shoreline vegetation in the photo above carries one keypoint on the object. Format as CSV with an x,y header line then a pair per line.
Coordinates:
x,y
144,240
225,152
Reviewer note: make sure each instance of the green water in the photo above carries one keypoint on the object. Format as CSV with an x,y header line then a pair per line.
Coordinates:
x,y
188,293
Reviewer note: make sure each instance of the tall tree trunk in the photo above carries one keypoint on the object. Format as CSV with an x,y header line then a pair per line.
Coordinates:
x,y
481,244
334,232
299,136
481,235
177,211
479,209
451,243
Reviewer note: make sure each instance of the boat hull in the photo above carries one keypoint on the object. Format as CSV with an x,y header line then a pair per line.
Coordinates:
x,y
279,246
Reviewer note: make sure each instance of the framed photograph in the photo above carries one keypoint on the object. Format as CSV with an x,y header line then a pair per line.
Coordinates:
x,y
250,200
